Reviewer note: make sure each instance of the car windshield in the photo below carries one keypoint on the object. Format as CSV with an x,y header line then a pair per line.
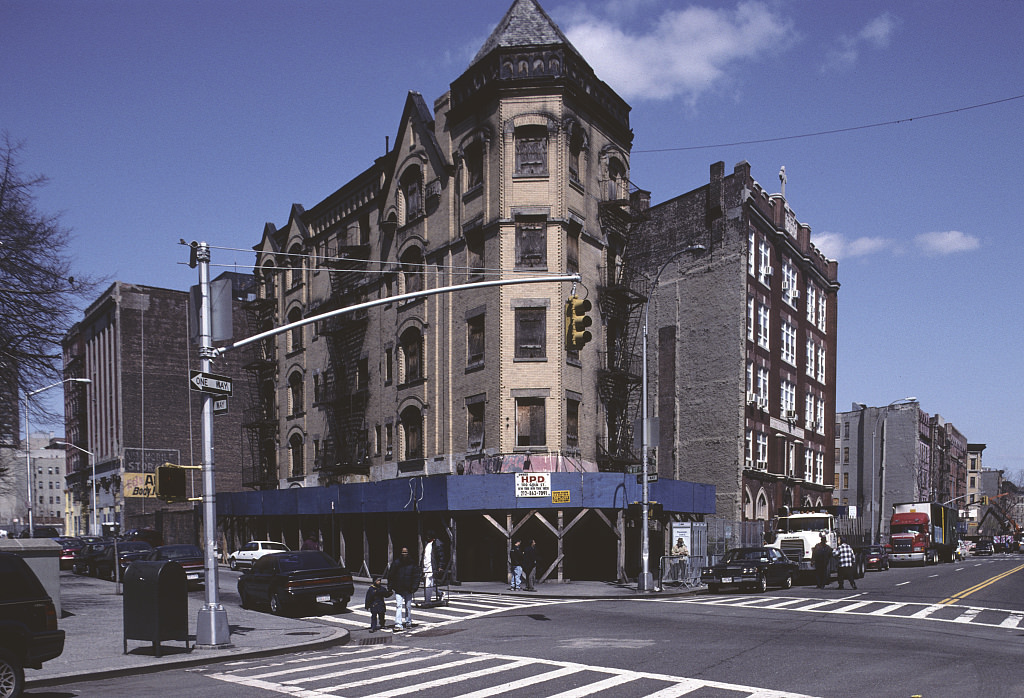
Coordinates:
x,y
311,560
176,552
907,528
276,546
741,555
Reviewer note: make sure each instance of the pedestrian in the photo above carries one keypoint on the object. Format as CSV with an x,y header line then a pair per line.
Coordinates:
x,y
403,579
821,555
435,562
309,543
516,559
530,564
681,566
376,604
847,563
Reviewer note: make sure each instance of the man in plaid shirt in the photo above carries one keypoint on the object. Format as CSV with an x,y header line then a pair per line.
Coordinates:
x,y
847,563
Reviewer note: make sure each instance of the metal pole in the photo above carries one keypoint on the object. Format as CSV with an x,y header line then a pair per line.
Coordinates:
x,y
28,471
645,582
212,628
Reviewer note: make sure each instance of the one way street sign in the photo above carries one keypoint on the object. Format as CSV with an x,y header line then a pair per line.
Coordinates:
x,y
209,383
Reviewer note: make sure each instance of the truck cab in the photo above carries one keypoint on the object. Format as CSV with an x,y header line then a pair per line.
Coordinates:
x,y
796,532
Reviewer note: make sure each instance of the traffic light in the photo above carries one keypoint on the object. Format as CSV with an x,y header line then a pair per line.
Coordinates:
x,y
576,323
171,482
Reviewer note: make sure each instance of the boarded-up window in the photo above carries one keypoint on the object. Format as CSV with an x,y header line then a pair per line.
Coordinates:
x,y
475,425
531,150
530,427
530,334
475,340
572,423
531,243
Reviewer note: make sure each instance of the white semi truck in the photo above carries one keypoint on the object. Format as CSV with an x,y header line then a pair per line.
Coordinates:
x,y
796,532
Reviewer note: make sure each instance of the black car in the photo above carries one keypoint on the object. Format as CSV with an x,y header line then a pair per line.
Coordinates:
x,y
190,557
127,551
281,580
84,561
751,568
876,557
29,634
984,547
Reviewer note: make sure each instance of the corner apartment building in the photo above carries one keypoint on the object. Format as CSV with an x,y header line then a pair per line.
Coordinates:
x,y
897,453
743,345
134,344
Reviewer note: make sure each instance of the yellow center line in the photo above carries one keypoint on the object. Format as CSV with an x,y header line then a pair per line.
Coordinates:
x,y
981,585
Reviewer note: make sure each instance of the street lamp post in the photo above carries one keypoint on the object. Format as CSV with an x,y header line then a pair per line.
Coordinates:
x,y
28,446
876,516
645,582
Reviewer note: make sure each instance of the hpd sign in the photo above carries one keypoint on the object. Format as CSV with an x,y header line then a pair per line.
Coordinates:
x,y
533,484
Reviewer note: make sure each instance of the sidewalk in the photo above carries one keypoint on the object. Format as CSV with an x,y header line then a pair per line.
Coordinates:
x,y
93,624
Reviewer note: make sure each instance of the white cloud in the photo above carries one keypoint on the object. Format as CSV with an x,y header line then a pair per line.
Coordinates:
x,y
876,34
686,52
949,242
836,246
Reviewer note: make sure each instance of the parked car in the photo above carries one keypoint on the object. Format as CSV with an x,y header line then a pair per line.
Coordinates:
x,y
190,557
40,532
876,557
984,547
253,551
94,539
69,545
283,580
29,634
127,551
149,535
84,561
751,568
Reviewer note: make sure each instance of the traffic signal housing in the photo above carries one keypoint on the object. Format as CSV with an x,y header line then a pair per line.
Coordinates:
x,y
171,482
576,323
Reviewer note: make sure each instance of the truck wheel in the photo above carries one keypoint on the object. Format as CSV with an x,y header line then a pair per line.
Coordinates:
x,y
12,675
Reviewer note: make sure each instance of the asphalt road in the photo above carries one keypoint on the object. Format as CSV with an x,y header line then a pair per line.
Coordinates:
x,y
948,630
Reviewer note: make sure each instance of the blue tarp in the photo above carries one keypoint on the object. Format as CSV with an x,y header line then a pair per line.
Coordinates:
x,y
468,493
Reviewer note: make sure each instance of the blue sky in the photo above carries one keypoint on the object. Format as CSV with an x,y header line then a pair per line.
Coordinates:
x,y
156,121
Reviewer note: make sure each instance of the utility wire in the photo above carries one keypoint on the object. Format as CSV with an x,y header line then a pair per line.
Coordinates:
x,y
831,131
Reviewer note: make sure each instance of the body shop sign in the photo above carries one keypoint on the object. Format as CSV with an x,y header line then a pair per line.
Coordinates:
x,y
533,484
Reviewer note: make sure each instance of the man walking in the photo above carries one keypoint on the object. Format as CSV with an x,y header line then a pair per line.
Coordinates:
x,y
530,564
516,559
821,555
847,563
404,579
434,564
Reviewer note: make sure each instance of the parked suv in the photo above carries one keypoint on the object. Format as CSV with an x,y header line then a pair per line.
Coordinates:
x,y
29,634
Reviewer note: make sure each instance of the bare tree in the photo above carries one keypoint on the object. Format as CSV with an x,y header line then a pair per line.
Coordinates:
x,y
39,297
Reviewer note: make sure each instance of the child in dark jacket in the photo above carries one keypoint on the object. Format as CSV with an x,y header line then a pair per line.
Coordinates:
x,y
376,604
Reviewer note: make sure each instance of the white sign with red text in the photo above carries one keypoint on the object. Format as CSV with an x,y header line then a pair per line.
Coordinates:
x,y
533,484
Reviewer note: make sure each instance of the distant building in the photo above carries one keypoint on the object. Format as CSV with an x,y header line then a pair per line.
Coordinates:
x,y
134,344
897,453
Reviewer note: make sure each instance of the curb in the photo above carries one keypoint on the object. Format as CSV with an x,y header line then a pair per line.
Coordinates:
x,y
341,637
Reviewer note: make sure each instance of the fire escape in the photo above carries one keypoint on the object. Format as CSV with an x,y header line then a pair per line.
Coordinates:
x,y
343,391
621,297
259,418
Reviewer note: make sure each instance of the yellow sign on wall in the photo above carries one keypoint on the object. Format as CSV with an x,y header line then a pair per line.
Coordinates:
x,y
139,484
560,497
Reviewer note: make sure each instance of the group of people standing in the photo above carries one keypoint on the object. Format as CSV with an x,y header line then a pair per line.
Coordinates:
x,y
523,561
404,575
846,559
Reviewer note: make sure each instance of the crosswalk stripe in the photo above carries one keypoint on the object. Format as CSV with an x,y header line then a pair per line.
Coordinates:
x,y
602,685
521,683
442,681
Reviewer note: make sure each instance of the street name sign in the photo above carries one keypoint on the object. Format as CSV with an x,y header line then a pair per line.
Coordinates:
x,y
209,383
651,477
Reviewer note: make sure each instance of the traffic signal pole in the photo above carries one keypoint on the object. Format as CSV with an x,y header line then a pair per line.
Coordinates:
x,y
212,630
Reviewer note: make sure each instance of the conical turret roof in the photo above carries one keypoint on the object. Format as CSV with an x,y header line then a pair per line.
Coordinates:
x,y
525,24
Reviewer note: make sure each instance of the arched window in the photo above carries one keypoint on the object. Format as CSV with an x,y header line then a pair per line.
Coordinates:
x,y
296,406
410,199
411,343
295,266
748,505
296,455
616,179
294,334
268,289
412,433
412,270
473,157
762,506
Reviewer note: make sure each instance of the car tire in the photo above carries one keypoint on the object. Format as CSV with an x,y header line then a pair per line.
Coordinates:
x,y
713,588
762,584
341,604
787,582
232,564
243,600
276,604
12,675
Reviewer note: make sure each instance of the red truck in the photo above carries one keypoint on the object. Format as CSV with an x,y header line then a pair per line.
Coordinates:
x,y
923,533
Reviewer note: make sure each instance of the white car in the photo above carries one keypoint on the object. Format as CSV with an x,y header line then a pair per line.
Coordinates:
x,y
253,551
